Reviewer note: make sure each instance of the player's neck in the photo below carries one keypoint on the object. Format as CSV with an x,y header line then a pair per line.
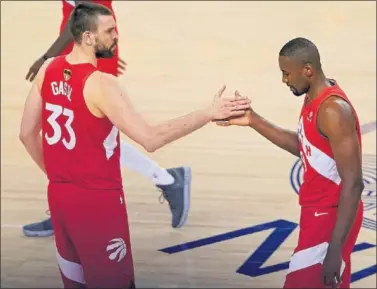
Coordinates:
x,y
79,55
319,83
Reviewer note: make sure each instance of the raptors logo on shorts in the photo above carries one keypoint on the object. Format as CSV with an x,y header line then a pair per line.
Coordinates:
x,y
117,249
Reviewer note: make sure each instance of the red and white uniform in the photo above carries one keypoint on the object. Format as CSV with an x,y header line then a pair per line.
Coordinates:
x,y
107,65
81,154
318,198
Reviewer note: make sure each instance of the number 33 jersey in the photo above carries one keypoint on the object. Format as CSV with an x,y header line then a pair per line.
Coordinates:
x,y
78,147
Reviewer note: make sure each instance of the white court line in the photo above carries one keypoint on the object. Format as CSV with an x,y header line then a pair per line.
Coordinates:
x,y
368,127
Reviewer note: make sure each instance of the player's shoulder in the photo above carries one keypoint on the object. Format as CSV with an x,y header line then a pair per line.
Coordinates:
x,y
336,105
46,64
42,71
99,78
335,112
101,83
49,60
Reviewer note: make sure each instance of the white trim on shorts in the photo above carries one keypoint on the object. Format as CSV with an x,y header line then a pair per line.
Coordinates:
x,y
71,270
309,257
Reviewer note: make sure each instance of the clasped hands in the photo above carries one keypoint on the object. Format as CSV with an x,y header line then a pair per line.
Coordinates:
x,y
233,110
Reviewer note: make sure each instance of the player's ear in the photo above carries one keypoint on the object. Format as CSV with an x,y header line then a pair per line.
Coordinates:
x,y
308,70
88,38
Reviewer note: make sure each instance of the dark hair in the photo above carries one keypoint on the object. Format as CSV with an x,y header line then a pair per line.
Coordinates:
x,y
84,18
303,50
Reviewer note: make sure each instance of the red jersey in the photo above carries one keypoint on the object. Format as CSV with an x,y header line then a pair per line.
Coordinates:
x,y
78,147
321,184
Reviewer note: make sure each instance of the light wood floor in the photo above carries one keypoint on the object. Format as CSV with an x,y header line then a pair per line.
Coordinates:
x,y
179,54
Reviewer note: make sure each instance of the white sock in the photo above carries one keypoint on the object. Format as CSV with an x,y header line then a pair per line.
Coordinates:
x,y
133,159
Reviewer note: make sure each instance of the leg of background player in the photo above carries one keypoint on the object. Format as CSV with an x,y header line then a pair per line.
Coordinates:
x,y
134,160
175,184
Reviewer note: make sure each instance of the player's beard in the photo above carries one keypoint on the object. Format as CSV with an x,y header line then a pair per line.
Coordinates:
x,y
103,52
297,92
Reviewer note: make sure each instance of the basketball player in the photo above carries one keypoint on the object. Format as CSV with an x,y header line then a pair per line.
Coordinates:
x,y
174,182
329,144
80,111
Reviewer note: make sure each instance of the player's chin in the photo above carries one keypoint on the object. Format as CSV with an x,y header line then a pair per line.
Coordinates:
x,y
295,92
109,54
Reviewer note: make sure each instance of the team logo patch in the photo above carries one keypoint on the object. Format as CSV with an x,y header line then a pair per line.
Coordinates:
x,y
369,177
118,248
67,74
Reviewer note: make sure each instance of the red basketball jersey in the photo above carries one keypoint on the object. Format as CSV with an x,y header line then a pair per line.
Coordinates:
x,y
78,147
322,184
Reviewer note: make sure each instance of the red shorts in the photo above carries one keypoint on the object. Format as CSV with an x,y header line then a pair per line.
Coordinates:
x,y
316,227
92,237
107,65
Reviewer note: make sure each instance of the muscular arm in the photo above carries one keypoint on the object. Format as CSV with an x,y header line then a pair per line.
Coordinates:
x,y
115,104
31,120
337,122
283,138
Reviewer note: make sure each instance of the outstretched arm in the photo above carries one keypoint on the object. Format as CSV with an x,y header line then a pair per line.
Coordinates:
x,y
115,104
283,138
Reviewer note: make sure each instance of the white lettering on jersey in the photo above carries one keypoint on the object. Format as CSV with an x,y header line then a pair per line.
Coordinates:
x,y
317,159
61,88
56,111
110,143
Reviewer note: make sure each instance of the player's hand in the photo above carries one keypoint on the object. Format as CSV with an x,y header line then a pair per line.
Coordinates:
x,y
33,70
223,108
121,66
331,267
243,120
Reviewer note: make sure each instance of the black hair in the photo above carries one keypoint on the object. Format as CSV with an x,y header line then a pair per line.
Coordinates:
x,y
84,18
302,50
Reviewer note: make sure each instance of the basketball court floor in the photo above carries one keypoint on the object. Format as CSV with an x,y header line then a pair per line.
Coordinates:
x,y
243,188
